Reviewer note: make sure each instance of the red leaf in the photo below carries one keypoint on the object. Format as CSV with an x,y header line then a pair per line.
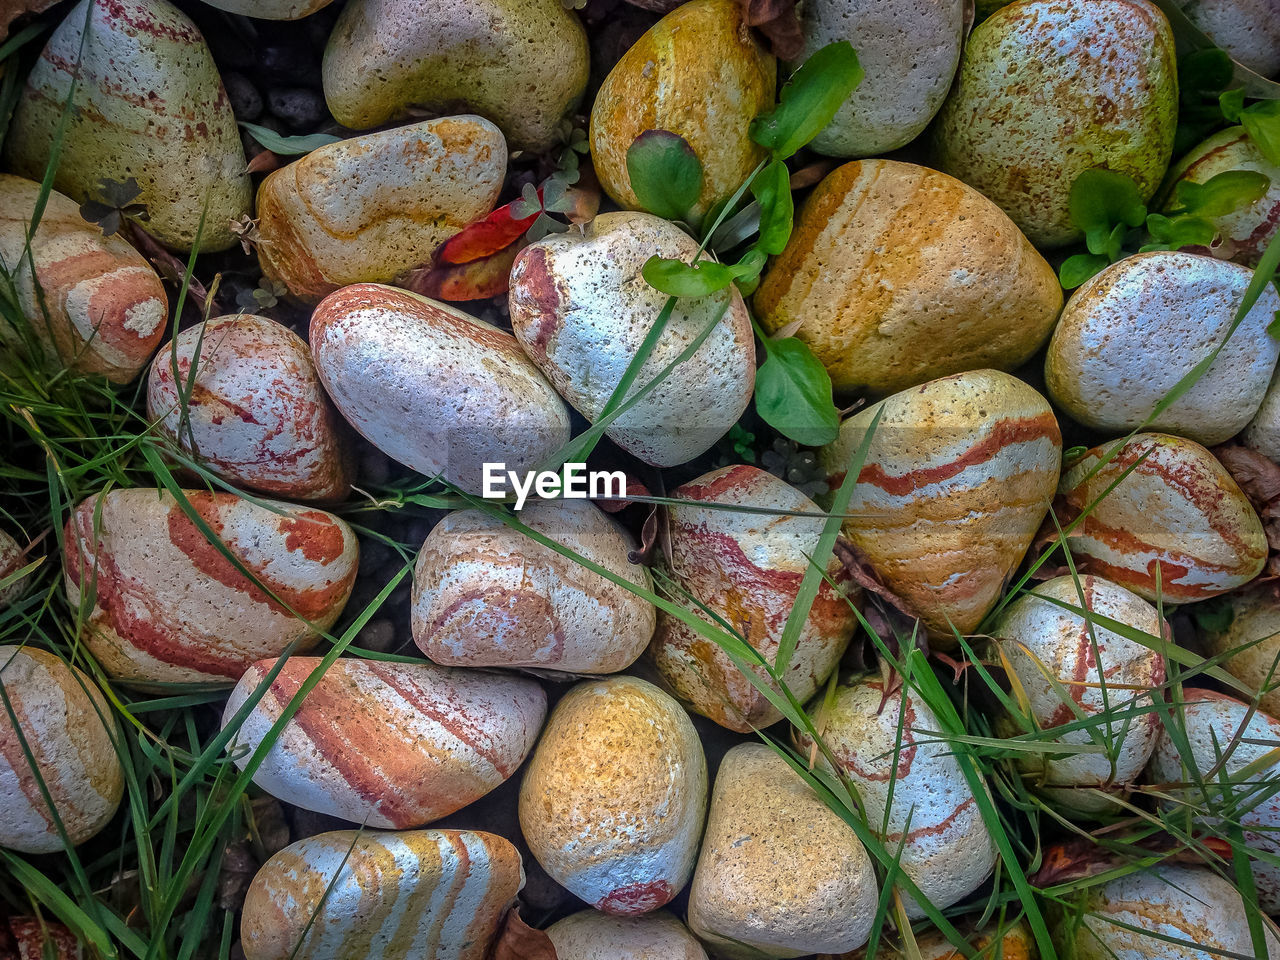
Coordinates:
x,y
495,233
777,20
634,489
263,162
519,941
472,280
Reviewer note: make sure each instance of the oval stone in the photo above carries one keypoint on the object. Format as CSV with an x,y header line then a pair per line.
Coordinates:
x,y
62,716
1132,332
613,801
1250,641
897,274
745,569
382,896
521,63
387,744
256,410
1170,513
1070,668
780,873
1050,88
1243,234
372,207
434,388
592,935
169,606
1249,30
909,50
699,73
104,309
957,478
581,313
150,107
486,595
934,825
13,557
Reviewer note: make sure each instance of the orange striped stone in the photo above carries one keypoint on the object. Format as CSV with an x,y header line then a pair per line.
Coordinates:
x,y
897,274
104,309
387,744
613,801
746,568
933,817
1176,512
168,605
416,895
957,478
256,410
60,714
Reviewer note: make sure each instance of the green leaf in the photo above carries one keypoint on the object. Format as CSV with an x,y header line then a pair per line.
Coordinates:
x,y
666,175
809,100
1079,268
288,146
1100,201
1262,121
1202,72
1174,233
1222,193
747,270
772,189
793,393
679,279
1231,102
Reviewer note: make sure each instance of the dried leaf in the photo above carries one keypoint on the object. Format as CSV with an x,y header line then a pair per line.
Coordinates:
x,y
858,568
264,162
634,489
473,280
648,536
1257,476
778,21
1071,860
811,173
171,268
518,941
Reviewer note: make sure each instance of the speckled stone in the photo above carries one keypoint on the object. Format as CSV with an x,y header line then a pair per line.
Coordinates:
x,y
1039,637
581,311
612,803
369,208
1254,616
745,568
382,896
958,476
909,50
780,874
1131,333
898,274
256,410
104,309
933,816
1176,510
1049,88
60,714
592,935
432,387
700,73
486,595
169,606
150,106
387,744
1249,30
521,63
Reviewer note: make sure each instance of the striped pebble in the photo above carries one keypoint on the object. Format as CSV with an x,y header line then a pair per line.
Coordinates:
x,y
746,568
1215,724
256,411
1166,912
433,388
1069,668
169,606
1177,517
592,935
372,207
956,480
417,895
394,745
106,307
613,800
60,715
780,873
933,817
486,595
